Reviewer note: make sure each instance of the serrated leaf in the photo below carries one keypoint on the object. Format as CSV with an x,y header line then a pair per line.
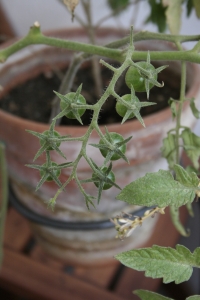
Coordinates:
x,y
195,297
196,4
191,144
169,149
173,15
162,262
195,111
147,295
187,178
158,189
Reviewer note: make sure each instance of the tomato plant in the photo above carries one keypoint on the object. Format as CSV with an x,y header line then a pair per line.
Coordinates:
x,y
137,78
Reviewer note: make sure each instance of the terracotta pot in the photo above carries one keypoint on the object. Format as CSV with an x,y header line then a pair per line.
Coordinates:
x,y
143,153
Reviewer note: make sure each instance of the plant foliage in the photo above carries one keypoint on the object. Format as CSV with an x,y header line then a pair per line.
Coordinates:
x,y
162,262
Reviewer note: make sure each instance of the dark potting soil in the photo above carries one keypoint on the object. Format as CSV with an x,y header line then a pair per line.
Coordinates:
x,y
32,100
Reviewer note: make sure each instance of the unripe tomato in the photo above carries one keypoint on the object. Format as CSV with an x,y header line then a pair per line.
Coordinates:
x,y
135,77
42,142
116,138
56,172
80,100
110,175
122,109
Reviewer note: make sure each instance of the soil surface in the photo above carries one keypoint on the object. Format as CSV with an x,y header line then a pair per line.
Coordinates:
x,y
32,100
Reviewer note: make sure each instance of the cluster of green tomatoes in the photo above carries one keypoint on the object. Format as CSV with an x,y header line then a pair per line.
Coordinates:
x,y
115,147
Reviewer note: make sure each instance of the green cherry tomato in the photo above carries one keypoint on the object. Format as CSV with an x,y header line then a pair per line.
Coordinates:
x,y
116,138
110,175
56,134
122,109
80,100
136,79
56,172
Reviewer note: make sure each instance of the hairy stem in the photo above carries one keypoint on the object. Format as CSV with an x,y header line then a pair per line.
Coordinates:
x,y
36,37
66,85
95,64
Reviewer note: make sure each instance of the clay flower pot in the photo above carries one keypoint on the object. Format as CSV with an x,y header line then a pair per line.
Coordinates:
x,y
89,235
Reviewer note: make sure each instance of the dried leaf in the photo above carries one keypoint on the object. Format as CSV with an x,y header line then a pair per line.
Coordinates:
x,y
71,5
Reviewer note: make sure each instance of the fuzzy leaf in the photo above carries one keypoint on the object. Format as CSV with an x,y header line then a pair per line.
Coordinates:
x,y
192,146
162,262
173,15
187,178
195,297
169,150
158,189
147,295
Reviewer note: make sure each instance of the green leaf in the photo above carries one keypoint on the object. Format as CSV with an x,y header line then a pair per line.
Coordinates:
x,y
158,189
191,144
162,262
196,4
173,15
195,297
157,15
147,295
169,149
187,178
195,111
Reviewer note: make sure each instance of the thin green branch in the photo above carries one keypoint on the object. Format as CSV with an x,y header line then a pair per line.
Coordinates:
x,y
186,56
36,37
196,48
179,111
147,35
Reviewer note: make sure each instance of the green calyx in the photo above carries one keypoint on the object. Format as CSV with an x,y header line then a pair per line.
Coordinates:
x,y
72,105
